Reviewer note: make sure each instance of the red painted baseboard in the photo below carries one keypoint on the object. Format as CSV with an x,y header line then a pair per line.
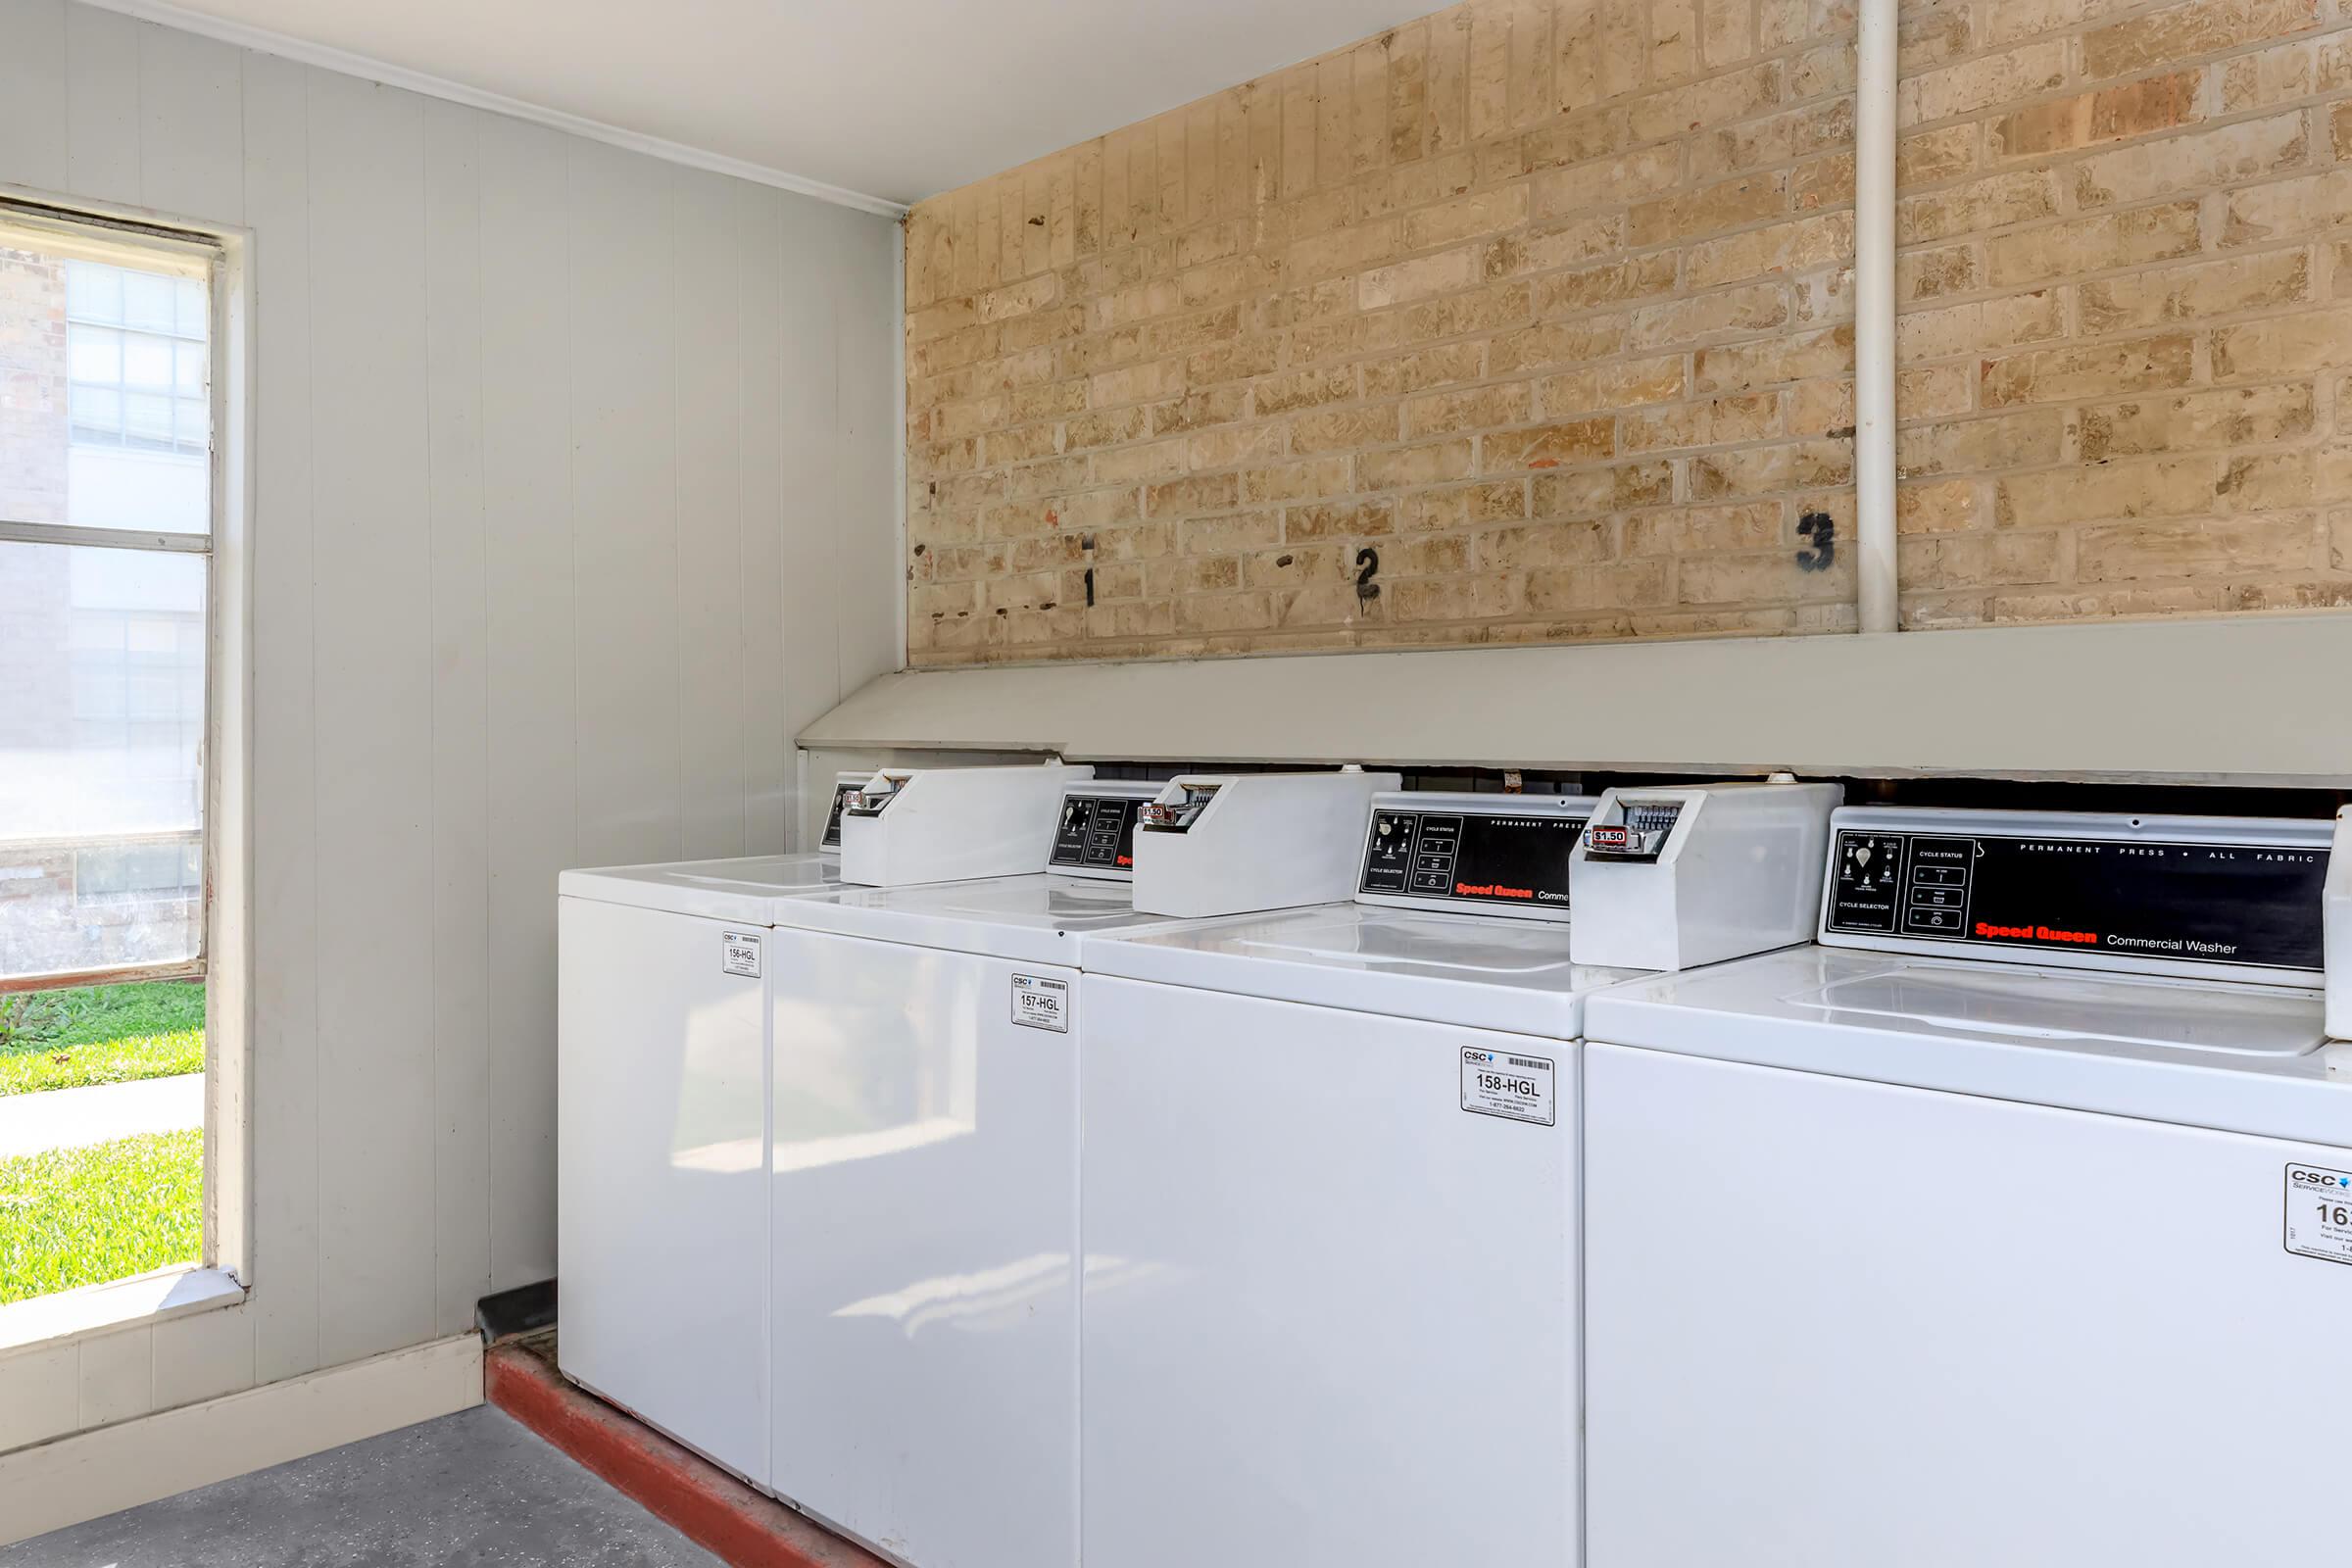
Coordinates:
x,y
703,1502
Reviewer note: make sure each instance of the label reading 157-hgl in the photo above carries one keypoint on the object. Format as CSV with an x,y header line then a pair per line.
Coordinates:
x,y
2319,1213
1496,1083
1040,1003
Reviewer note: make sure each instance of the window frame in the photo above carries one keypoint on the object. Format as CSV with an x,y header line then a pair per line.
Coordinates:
x,y
93,236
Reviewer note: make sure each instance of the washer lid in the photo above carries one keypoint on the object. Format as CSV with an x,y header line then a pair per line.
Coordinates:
x,y
2227,1055
1446,969
1028,919
744,890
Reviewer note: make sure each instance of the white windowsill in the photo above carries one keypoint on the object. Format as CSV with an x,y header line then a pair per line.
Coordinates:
x,y
47,1321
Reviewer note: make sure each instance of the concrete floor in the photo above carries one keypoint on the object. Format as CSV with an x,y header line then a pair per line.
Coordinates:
x,y
468,1490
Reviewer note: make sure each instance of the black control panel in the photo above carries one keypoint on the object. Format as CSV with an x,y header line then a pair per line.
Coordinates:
x,y
1471,856
841,796
2235,904
1096,833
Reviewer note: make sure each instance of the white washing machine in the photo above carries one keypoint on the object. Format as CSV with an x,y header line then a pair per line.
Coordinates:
x,y
662,1168
1331,1212
660,1132
924,1207
2009,1225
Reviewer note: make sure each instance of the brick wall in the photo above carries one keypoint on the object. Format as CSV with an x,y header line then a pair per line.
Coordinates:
x,y
1547,304
32,387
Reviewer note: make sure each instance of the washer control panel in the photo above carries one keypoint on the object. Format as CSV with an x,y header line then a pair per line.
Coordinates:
x,y
2137,892
842,789
1095,834
1485,851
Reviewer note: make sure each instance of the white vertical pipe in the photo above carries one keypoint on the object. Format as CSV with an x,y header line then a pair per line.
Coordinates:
x,y
1873,315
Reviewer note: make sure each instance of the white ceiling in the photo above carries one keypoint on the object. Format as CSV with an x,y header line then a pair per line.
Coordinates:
x,y
891,98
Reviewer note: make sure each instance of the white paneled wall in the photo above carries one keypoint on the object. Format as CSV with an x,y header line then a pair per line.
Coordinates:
x,y
574,501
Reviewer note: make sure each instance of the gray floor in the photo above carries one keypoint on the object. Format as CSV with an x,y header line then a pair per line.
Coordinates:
x,y
472,1489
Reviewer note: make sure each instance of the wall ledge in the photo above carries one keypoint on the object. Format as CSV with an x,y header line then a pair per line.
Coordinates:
x,y
2238,700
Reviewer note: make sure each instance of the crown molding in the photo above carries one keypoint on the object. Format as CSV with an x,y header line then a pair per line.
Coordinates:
x,y
455,92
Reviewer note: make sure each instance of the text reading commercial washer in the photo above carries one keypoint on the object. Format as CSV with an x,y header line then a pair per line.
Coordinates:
x,y
2008,1225
1330,1178
927,1046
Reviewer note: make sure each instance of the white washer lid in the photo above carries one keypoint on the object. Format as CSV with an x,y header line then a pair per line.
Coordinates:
x,y
2231,1056
1028,919
1408,963
745,890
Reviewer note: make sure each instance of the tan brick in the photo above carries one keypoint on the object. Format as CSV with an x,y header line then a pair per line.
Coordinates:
x,y
2284,346
1481,407
1710,317
1545,246
1926,274
1472,598
1752,525
2238,416
1437,366
1304,389
1688,214
1216,613
2183,31
1977,560
1418,279
1943,505
1351,519
1482,310
2191,293
1585,491
1548,446
1607,182
1295,482
1767,470
2285,207
1432,463
1982,82
2148,487
1980,326
2079,370
1754,577
1488,212
2091,244
2191,162
1200,492
1231,444
1808,242
1624,384
1618,585
1993,202
1611,283
1552,542
2202,548
1342,429
1717,421
1739,366
2110,114
1979,446
1554,305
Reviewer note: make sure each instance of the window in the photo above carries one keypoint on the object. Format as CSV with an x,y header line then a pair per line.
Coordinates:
x,y
107,488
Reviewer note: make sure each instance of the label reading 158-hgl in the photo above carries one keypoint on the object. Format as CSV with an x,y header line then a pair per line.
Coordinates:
x,y
1496,1083
2319,1213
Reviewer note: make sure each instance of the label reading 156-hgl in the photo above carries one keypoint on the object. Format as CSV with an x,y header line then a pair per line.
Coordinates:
x,y
1496,1083
2319,1213
739,954
1038,1002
